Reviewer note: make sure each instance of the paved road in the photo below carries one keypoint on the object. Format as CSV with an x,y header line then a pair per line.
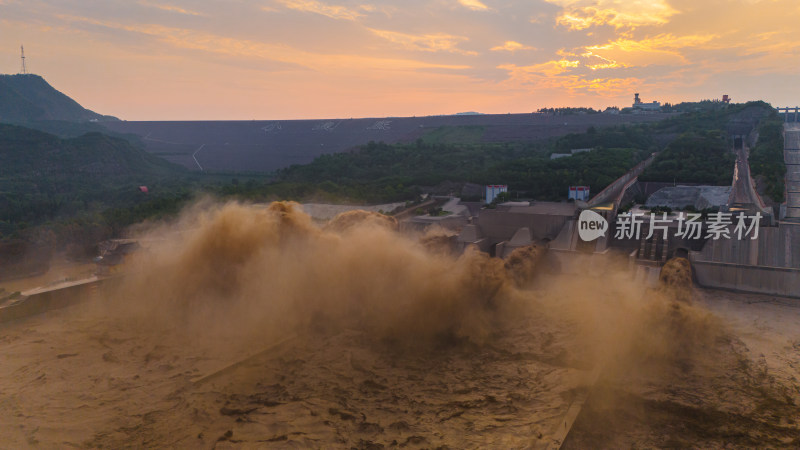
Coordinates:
x,y
742,192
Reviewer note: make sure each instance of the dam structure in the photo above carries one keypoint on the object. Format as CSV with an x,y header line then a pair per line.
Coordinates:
x,y
765,261
791,153
271,145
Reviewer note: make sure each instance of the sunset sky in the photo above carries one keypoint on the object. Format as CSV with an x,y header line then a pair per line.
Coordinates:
x,y
299,59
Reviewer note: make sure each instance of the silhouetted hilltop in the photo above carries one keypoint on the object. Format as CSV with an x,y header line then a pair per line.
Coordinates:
x,y
29,98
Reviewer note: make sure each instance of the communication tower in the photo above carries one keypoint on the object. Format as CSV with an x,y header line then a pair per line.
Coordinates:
x,y
22,56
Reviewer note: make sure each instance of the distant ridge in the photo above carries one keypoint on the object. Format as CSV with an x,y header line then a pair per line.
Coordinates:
x,y
28,98
92,159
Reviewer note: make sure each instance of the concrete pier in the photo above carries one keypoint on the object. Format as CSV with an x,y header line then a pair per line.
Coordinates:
x,y
791,152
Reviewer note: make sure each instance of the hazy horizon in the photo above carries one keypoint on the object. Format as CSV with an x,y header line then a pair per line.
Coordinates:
x,y
315,59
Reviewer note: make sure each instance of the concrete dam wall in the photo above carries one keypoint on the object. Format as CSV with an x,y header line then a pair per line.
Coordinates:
x,y
767,265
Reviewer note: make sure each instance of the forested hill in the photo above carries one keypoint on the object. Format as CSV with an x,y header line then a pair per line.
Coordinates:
x,y
26,152
43,176
29,98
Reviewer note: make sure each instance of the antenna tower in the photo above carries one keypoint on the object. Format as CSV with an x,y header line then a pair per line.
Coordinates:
x,y
22,56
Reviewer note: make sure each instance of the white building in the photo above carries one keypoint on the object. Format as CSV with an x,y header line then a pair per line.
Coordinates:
x,y
579,193
492,190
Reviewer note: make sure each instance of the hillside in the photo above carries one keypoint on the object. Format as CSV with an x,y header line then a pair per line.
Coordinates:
x,y
703,158
30,100
267,146
701,152
381,172
43,177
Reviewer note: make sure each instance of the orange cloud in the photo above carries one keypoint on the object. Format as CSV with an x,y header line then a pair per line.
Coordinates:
x,y
546,69
438,42
511,46
661,49
332,11
171,8
583,14
564,76
552,76
606,87
474,5
603,63
778,43
213,43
